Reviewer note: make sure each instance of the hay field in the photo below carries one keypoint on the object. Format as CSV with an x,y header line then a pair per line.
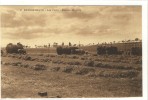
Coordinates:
x,y
62,76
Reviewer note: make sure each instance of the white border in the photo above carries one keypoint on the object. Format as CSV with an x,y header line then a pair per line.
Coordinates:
x,y
145,50
143,3
72,2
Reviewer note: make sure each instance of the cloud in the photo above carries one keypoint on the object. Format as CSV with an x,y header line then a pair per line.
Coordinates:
x,y
30,33
79,15
120,9
12,18
99,22
82,12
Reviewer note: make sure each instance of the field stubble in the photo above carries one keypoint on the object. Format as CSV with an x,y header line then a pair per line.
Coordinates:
x,y
71,75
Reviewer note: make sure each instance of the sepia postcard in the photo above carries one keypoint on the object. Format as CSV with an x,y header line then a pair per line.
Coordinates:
x,y
89,51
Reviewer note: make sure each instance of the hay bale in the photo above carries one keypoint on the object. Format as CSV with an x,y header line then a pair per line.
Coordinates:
x,y
75,57
96,59
105,66
16,63
39,67
94,55
138,61
89,63
82,58
84,71
68,69
19,57
40,60
46,60
52,55
9,55
33,59
57,61
123,67
6,63
27,58
119,74
55,69
138,68
25,65
42,93
74,63
132,73
98,64
91,74
41,54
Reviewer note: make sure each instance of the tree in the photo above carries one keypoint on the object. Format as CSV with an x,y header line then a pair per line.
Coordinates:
x,y
136,39
128,40
69,43
123,41
49,45
62,43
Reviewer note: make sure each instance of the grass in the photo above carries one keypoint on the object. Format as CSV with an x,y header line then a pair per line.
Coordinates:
x,y
41,50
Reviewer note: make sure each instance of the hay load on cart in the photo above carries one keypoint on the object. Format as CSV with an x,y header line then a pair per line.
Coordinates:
x,y
18,48
69,50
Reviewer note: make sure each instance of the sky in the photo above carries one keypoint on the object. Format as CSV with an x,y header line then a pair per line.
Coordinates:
x,y
39,25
